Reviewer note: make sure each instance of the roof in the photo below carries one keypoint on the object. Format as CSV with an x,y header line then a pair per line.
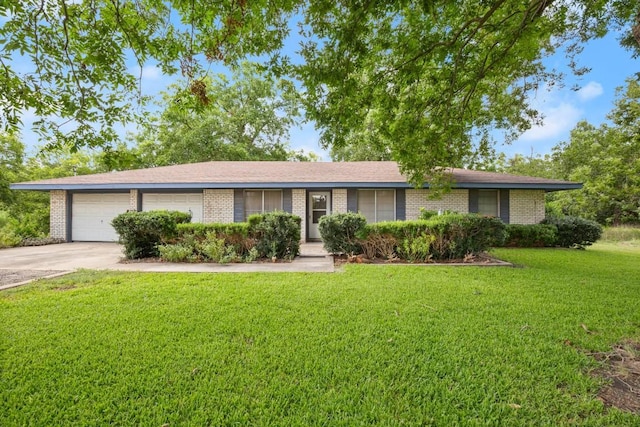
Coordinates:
x,y
264,174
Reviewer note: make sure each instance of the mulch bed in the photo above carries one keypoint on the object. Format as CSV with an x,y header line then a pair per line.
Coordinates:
x,y
621,369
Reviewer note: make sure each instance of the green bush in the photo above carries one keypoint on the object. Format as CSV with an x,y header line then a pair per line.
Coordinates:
x,y
142,232
417,249
277,234
574,232
339,232
8,235
236,234
449,236
531,235
176,252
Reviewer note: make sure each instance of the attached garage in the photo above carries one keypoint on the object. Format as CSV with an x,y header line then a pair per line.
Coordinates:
x,y
91,215
183,202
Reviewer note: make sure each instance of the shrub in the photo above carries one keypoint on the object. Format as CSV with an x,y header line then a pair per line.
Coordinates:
x,y
450,236
233,234
141,232
176,253
212,248
531,235
417,249
574,232
277,234
8,235
376,245
339,232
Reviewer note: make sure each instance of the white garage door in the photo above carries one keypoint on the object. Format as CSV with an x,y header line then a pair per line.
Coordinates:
x,y
183,202
91,216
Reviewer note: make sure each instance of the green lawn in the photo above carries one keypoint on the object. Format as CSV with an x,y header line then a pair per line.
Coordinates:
x,y
388,345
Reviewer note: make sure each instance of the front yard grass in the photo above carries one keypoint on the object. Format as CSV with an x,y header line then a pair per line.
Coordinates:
x,y
389,345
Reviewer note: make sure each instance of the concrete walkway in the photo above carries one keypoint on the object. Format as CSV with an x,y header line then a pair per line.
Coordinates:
x,y
22,265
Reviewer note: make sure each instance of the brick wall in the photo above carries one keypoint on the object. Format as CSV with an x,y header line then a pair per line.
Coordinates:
x,y
456,201
133,200
58,214
526,206
299,207
217,205
339,200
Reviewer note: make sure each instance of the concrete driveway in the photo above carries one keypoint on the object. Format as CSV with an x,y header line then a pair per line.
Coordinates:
x,y
65,256
108,256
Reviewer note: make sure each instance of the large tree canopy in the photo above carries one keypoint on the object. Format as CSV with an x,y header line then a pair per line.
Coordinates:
x,y
430,80
246,116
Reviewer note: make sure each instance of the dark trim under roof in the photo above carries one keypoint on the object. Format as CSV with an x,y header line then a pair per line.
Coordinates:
x,y
259,185
236,175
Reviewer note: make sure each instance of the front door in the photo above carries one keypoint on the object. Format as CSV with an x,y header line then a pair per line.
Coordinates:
x,y
319,206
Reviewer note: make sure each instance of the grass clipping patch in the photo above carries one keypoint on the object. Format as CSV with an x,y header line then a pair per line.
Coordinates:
x,y
622,369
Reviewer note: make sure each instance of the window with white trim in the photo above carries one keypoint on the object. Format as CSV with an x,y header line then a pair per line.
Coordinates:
x,y
261,201
488,202
377,205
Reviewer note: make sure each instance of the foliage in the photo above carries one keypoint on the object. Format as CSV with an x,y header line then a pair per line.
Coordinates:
x,y
530,235
607,160
277,235
443,237
247,117
8,237
368,346
621,234
175,252
430,83
142,232
424,83
574,232
417,249
339,232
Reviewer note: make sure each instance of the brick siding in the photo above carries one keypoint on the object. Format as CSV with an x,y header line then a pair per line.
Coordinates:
x,y
526,206
58,214
133,200
299,207
217,205
456,201
339,200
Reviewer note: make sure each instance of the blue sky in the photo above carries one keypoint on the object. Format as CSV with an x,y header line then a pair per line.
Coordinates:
x,y
562,107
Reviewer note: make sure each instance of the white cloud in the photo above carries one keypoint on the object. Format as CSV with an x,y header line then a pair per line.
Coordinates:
x,y
557,121
590,91
151,72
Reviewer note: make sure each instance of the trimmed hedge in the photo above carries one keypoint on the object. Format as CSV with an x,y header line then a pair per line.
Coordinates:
x,y
531,235
574,232
270,235
339,232
449,236
277,234
142,232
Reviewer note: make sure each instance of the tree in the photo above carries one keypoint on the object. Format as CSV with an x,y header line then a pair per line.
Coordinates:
x,y
245,117
441,75
11,159
607,160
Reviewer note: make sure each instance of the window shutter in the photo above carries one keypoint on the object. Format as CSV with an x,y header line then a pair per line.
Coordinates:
x,y
473,201
238,205
287,202
504,206
352,200
401,205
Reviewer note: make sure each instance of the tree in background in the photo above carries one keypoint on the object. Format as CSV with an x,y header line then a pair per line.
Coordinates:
x,y
607,160
440,76
243,117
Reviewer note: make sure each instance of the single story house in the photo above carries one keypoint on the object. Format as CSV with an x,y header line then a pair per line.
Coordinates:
x,y
82,207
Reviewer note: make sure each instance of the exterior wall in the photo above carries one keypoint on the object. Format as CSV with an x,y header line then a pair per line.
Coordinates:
x,y
299,207
457,201
526,206
58,214
339,204
217,205
133,200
